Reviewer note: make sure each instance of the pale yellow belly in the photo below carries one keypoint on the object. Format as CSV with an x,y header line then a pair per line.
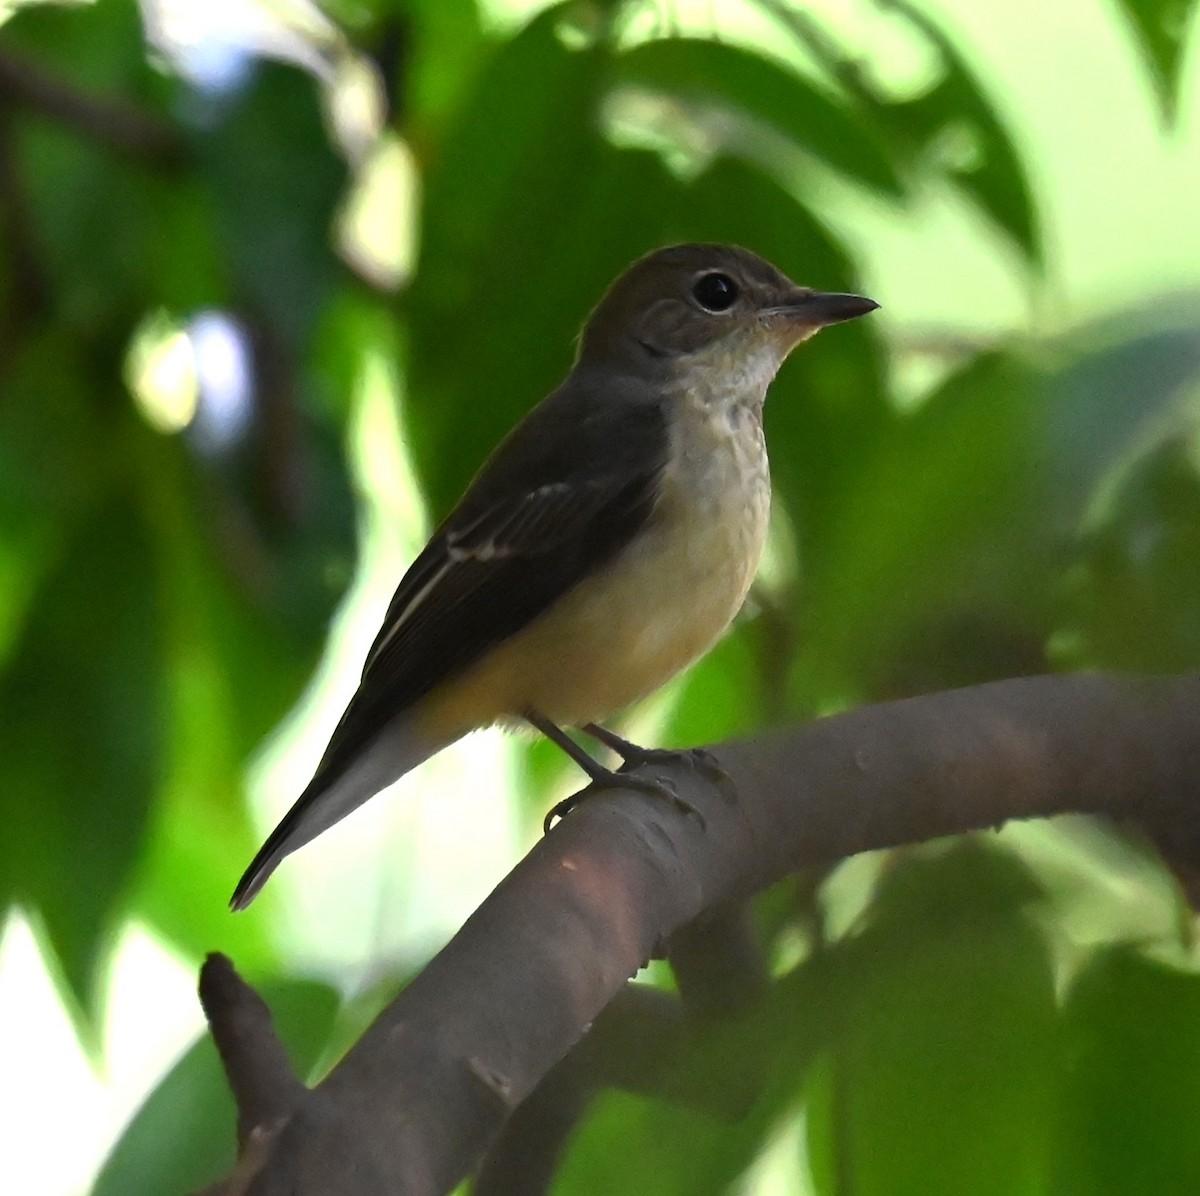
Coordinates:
x,y
626,630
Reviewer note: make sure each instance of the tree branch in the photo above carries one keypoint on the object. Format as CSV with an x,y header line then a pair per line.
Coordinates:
x,y
718,962
26,295
418,1099
113,123
264,1085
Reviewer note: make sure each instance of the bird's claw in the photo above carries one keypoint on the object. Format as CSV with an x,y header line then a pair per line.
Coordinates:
x,y
701,759
661,787
561,809
654,786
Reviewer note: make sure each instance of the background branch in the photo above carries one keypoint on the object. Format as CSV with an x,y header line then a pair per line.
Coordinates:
x,y
114,123
631,1047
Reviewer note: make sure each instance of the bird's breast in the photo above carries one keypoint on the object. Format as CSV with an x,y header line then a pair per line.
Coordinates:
x,y
659,604
673,591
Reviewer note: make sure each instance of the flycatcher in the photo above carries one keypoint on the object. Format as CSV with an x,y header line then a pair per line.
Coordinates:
x,y
604,546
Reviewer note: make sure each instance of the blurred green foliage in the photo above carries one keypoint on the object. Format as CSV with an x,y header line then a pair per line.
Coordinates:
x,y
164,598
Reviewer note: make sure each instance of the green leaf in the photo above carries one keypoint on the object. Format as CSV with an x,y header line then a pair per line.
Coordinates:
x,y
276,180
190,271
945,918
98,218
99,48
438,65
943,1079
711,72
941,520
987,166
83,737
716,1105
50,423
492,311
1132,1040
1161,30
1134,603
721,696
184,1135
953,540
1128,408
250,584
950,129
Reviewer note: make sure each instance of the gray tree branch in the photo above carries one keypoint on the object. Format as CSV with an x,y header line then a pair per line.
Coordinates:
x,y
417,1101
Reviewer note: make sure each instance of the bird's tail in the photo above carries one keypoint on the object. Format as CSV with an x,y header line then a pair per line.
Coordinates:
x,y
398,749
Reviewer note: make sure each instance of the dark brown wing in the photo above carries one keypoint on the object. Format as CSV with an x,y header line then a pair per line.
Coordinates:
x,y
560,497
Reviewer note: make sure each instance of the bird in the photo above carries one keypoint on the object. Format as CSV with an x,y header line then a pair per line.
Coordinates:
x,y
606,543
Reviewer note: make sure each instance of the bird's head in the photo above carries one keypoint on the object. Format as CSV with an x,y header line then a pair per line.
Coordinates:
x,y
709,304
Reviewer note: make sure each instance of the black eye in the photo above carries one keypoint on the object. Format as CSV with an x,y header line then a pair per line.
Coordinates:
x,y
715,292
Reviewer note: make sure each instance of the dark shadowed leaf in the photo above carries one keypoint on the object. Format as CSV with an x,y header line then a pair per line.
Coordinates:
x,y
953,542
1134,602
84,734
1132,1040
49,473
100,47
275,179
705,1116
713,73
491,308
1161,28
98,216
986,165
950,129
943,1079
937,507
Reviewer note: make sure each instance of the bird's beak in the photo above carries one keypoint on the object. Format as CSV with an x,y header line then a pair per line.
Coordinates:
x,y
816,309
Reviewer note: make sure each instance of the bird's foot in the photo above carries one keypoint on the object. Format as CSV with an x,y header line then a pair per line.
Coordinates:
x,y
634,756
607,778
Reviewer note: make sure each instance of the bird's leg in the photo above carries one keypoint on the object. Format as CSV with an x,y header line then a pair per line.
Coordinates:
x,y
634,756
631,753
601,777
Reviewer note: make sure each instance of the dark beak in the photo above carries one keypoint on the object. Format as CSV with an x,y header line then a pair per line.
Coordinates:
x,y
818,308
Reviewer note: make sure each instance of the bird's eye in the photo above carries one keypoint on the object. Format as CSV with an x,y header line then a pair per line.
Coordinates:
x,y
715,292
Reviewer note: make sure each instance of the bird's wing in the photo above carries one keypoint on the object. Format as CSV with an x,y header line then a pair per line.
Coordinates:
x,y
554,504
493,555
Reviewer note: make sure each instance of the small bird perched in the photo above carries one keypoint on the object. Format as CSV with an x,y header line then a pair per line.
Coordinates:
x,y
604,546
